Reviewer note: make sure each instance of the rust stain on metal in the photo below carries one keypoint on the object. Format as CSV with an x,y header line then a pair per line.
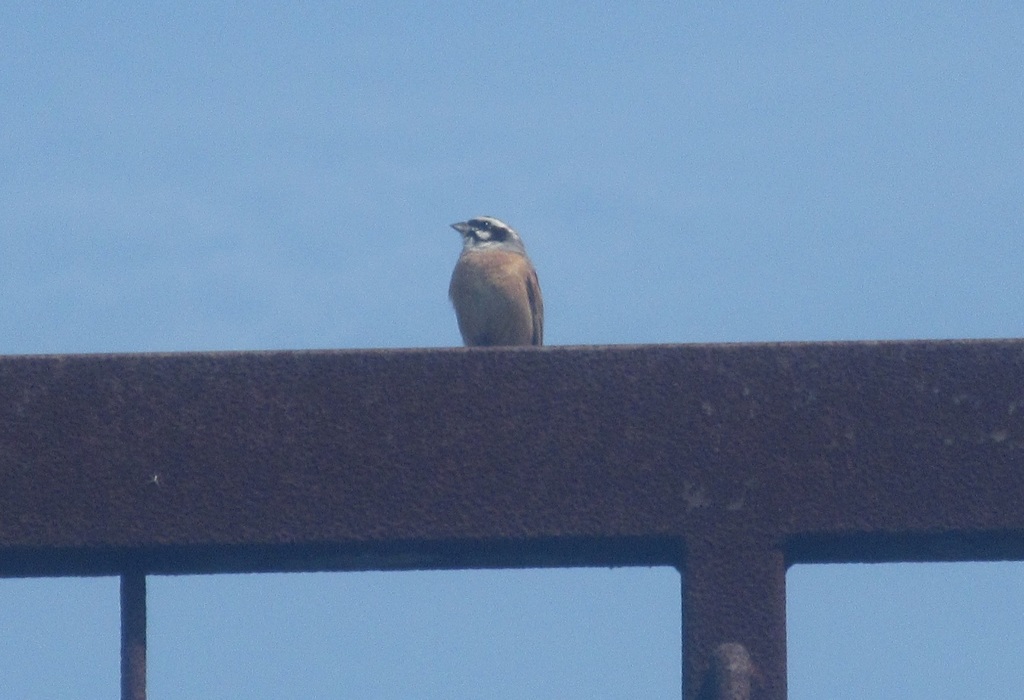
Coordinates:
x,y
730,462
733,674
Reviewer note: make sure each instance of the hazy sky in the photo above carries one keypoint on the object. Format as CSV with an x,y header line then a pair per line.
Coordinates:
x,y
282,175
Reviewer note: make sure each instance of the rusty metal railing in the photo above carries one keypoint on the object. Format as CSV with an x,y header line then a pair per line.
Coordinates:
x,y
730,462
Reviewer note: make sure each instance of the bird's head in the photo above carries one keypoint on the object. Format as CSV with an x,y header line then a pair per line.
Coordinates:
x,y
486,232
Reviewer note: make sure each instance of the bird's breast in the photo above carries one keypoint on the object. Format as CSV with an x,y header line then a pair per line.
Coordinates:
x,y
489,292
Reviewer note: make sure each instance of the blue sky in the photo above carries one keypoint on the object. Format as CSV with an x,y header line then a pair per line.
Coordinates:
x,y
282,175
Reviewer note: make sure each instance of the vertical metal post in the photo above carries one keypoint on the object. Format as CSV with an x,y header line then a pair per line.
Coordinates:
x,y
133,635
734,632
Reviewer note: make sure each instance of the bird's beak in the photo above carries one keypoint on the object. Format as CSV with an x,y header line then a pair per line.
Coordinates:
x,y
462,227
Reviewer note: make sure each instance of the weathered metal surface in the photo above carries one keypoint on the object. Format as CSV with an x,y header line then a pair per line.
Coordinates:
x,y
729,461
733,674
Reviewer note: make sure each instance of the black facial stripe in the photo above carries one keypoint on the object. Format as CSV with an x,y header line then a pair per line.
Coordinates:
x,y
487,230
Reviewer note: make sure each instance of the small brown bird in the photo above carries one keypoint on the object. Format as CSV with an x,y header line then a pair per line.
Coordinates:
x,y
494,287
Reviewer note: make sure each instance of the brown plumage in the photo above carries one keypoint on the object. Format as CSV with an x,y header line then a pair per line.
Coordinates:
x,y
494,287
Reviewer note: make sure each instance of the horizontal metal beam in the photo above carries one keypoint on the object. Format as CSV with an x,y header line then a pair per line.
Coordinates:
x,y
812,444
729,461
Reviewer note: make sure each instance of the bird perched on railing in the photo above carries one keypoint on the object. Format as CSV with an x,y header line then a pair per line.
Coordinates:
x,y
494,287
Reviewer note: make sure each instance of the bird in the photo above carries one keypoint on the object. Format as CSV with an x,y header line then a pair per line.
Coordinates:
x,y
494,286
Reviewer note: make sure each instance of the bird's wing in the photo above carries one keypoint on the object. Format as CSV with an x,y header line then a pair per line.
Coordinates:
x,y
536,306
